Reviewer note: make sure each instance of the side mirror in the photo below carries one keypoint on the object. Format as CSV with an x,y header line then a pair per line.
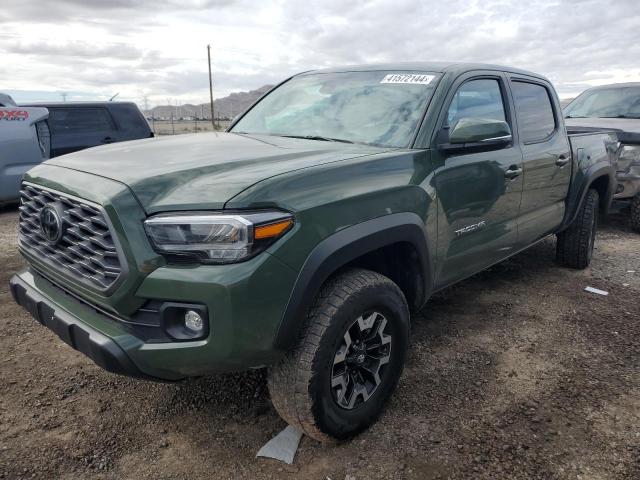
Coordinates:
x,y
478,133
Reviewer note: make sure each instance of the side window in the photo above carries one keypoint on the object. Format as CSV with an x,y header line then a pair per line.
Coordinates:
x,y
533,110
130,120
79,120
480,98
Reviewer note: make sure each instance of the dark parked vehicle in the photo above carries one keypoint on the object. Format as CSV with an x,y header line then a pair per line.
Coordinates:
x,y
79,125
302,238
615,107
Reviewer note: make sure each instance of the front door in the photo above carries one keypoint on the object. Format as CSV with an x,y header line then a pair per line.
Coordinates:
x,y
478,192
546,159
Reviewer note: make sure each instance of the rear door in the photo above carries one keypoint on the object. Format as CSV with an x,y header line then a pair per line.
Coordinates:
x,y
478,192
546,155
75,128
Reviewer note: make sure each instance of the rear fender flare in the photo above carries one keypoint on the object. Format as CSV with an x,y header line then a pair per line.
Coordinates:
x,y
583,184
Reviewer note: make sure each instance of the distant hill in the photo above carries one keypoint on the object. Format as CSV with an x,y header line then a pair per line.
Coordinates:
x,y
226,107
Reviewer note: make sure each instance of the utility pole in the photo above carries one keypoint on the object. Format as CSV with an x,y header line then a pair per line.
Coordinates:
x,y
213,122
173,128
64,96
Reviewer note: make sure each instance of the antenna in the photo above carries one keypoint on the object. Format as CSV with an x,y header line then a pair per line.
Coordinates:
x,y
111,99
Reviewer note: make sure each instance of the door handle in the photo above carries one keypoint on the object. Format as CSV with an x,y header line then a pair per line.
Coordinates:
x,y
512,172
107,140
562,160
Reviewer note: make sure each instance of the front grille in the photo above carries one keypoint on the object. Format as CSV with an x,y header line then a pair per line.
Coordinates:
x,y
86,251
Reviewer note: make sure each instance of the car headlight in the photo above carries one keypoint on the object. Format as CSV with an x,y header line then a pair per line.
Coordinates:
x,y
215,238
628,157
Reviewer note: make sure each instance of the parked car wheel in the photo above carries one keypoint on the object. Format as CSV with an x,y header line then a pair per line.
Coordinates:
x,y
349,359
635,213
575,244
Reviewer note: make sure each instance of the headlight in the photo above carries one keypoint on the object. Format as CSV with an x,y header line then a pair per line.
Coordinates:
x,y
215,238
629,157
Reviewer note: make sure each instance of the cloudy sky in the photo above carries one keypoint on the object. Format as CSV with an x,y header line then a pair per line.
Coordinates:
x,y
92,49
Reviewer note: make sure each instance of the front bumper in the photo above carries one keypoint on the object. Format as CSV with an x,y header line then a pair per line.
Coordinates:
x,y
245,302
98,347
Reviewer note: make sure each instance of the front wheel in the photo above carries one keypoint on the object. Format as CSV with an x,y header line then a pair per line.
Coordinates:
x,y
349,359
575,244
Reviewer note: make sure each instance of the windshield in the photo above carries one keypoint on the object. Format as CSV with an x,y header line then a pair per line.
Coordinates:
x,y
618,102
375,107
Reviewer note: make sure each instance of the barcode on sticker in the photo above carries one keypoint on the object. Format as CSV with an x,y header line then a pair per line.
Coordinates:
x,y
408,78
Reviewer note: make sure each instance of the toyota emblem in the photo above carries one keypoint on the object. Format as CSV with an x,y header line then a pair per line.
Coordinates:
x,y
51,223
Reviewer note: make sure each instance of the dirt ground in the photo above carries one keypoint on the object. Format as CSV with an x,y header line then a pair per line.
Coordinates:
x,y
515,373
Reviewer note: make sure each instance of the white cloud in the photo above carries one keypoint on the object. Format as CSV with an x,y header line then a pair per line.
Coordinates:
x,y
96,48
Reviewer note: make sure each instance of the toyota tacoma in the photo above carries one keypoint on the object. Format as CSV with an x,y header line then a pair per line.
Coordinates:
x,y
301,239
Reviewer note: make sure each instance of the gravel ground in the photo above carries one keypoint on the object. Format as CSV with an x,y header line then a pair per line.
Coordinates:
x,y
514,373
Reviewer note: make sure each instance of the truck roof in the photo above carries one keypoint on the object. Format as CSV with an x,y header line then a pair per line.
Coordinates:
x,y
438,67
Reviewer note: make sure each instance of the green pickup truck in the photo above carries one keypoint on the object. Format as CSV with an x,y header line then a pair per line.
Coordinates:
x,y
302,238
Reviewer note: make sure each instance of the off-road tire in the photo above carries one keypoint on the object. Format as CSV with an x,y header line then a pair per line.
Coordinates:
x,y
635,213
574,248
300,386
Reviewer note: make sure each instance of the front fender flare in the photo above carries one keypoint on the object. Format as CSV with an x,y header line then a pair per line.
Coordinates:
x,y
341,248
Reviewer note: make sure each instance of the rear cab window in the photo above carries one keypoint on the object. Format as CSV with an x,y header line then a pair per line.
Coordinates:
x,y
534,111
79,120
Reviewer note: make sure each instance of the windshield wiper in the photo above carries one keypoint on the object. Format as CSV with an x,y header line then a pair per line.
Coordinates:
x,y
574,116
624,116
318,137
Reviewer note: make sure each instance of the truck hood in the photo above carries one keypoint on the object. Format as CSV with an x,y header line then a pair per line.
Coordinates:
x,y
203,170
628,129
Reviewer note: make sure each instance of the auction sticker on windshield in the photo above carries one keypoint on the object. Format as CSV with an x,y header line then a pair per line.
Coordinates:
x,y
419,79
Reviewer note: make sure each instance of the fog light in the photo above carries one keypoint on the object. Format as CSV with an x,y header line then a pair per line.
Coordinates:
x,y
184,321
193,321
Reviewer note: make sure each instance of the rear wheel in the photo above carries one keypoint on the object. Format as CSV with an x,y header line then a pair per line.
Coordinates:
x,y
575,244
349,359
635,213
